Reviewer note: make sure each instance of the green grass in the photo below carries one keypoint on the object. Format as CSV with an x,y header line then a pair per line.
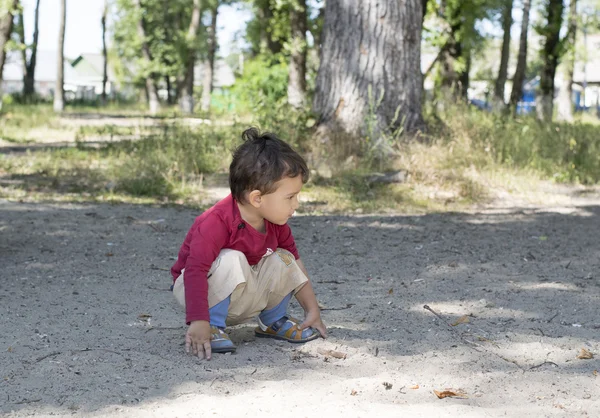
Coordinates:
x,y
467,159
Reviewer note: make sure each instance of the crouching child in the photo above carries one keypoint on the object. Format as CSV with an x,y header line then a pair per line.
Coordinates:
x,y
239,259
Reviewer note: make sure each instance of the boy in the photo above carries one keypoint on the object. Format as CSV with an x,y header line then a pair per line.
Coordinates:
x,y
239,258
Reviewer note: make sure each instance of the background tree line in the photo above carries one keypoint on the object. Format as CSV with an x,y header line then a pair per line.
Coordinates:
x,y
355,65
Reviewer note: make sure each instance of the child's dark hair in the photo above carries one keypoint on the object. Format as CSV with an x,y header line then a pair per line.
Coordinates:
x,y
260,162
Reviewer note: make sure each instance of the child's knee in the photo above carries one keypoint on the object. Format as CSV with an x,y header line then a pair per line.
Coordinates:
x,y
285,256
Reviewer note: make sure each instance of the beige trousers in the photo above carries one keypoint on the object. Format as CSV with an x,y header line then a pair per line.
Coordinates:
x,y
252,288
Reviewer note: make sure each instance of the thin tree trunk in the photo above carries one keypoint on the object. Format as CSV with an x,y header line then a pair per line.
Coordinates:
x,y
169,87
565,102
186,101
19,28
59,91
503,71
550,57
265,14
296,90
372,46
207,83
29,81
6,27
519,77
151,89
104,53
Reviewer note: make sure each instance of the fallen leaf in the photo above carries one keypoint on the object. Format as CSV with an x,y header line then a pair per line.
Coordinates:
x,y
353,393
109,254
391,291
414,387
595,372
9,349
462,320
144,316
543,238
450,393
387,385
585,354
332,353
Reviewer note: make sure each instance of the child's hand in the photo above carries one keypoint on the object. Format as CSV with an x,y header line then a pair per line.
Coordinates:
x,y
313,319
198,339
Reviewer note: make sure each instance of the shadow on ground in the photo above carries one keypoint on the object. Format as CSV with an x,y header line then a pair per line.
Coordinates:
x,y
88,321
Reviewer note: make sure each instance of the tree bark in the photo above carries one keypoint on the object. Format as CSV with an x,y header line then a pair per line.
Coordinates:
x,y
565,102
151,89
296,90
207,82
370,46
519,77
550,56
59,91
104,52
503,70
186,101
6,27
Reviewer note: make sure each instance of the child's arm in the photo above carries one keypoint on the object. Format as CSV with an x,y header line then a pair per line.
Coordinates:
x,y
307,299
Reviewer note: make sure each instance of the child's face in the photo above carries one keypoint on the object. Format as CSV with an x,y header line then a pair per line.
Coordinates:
x,y
279,206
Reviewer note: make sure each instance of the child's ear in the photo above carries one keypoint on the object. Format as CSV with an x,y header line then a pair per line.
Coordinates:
x,y
255,198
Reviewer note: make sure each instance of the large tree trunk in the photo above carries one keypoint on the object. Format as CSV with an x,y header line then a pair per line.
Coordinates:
x,y
565,99
6,27
375,46
151,89
550,57
296,90
186,101
59,91
503,71
519,77
207,83
104,53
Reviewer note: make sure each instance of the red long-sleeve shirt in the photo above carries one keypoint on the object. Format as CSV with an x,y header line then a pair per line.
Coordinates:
x,y
218,228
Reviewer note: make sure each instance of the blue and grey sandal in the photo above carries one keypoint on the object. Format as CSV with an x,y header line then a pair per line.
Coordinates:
x,y
287,329
220,341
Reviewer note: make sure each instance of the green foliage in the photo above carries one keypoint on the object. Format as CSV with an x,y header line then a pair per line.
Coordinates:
x,y
262,85
165,25
563,152
261,93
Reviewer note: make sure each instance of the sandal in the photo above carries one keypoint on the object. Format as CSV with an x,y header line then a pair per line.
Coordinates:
x,y
220,341
287,328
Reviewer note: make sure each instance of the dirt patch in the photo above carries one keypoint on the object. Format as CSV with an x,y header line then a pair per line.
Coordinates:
x,y
89,327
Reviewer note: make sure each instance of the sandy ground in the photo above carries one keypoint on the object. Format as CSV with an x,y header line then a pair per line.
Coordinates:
x,y
89,327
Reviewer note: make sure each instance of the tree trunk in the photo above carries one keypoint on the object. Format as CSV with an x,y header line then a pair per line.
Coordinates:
x,y
565,102
169,88
104,53
29,80
454,83
550,56
186,101
519,77
503,71
370,46
207,83
59,91
151,89
6,27
265,14
296,90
